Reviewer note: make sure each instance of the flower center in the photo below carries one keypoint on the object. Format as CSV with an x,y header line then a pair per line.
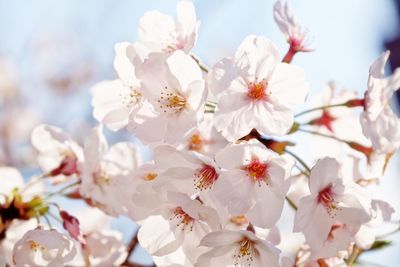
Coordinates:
x,y
150,176
326,198
133,97
257,91
172,102
239,220
101,178
35,246
195,142
257,171
183,219
173,44
205,177
245,253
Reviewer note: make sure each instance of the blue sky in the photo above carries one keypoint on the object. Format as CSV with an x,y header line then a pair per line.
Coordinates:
x,y
347,37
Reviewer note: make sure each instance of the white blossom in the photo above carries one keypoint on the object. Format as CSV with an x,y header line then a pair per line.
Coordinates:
x,y
256,90
39,247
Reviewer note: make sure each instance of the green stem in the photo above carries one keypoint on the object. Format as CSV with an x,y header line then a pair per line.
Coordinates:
x,y
202,67
291,203
354,256
62,190
299,160
321,108
323,135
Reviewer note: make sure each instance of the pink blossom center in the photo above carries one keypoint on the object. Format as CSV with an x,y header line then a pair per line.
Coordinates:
x,y
196,142
183,219
257,91
245,253
326,197
172,102
257,170
205,177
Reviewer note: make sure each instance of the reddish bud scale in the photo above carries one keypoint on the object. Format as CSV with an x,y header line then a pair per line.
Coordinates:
x,y
72,225
367,151
68,166
277,146
356,103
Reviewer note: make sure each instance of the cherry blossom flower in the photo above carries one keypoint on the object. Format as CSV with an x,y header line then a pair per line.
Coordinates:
x,y
379,123
381,212
334,207
14,180
115,101
255,90
237,248
161,33
204,139
181,220
254,182
41,247
58,153
15,231
105,248
176,90
303,259
290,27
187,172
106,172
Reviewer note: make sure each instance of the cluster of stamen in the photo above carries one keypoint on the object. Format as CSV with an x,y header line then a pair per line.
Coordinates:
x,y
326,197
173,44
239,220
205,177
257,171
133,97
35,246
183,219
150,176
101,178
172,102
196,142
245,252
257,90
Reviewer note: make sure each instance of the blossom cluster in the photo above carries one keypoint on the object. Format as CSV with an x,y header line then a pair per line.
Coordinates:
x,y
220,170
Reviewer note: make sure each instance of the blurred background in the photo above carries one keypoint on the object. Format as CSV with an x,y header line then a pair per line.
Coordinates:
x,y
52,52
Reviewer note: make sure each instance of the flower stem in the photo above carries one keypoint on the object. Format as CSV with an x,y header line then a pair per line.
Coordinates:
x,y
291,203
324,135
62,190
299,160
289,55
321,108
354,256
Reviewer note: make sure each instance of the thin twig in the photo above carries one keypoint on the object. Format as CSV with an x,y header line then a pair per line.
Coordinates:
x,y
299,160
320,108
